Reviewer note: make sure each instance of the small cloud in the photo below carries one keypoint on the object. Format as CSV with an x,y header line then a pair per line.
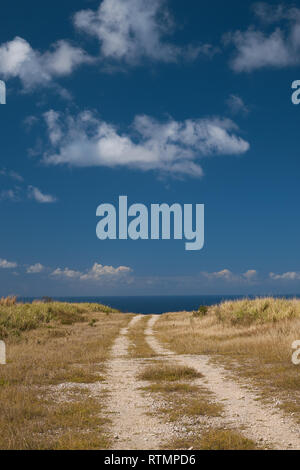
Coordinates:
x,y
66,273
9,194
269,13
250,274
237,105
288,276
35,268
133,30
255,48
4,264
96,273
30,121
37,195
225,274
35,69
229,276
14,175
11,174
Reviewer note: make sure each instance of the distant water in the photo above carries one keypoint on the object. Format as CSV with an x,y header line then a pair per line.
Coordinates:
x,y
153,304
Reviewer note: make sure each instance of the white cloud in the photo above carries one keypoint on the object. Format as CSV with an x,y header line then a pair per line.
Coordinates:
x,y
96,273
19,60
66,273
237,105
225,274
99,271
11,174
130,30
255,49
171,146
18,193
269,13
4,264
38,196
14,175
9,195
229,276
288,276
35,268
250,274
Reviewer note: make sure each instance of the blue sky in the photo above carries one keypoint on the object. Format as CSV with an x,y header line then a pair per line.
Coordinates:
x,y
163,102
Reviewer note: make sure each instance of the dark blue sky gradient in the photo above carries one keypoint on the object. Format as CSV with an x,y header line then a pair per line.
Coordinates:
x,y
251,201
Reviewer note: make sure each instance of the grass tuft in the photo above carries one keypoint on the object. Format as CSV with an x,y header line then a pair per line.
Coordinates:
x,y
214,439
162,372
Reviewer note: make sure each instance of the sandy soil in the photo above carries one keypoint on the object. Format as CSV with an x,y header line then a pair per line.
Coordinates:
x,y
127,405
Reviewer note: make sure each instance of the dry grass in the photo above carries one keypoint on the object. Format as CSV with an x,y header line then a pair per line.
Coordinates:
x,y
163,372
33,414
252,338
259,311
180,399
8,301
16,318
172,387
139,347
215,439
181,405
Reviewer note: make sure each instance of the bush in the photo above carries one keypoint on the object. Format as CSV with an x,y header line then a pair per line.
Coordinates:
x,y
201,312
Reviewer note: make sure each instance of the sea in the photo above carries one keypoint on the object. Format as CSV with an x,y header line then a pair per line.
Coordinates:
x,y
154,304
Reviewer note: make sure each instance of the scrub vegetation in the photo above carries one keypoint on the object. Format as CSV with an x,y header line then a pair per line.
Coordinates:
x,y
16,318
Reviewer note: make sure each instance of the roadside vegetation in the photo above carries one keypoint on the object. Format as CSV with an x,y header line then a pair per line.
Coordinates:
x,y
180,399
16,318
138,347
51,390
171,373
216,439
251,338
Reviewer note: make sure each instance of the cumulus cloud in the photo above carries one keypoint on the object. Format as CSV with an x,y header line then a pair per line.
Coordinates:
x,y
225,274
19,60
229,276
171,146
130,30
4,264
288,276
250,274
35,268
255,49
96,273
38,196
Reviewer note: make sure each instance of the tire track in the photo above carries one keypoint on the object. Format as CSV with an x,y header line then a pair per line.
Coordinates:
x,y
131,427
260,422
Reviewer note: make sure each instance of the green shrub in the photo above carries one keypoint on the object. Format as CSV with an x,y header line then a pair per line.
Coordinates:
x,y
201,312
